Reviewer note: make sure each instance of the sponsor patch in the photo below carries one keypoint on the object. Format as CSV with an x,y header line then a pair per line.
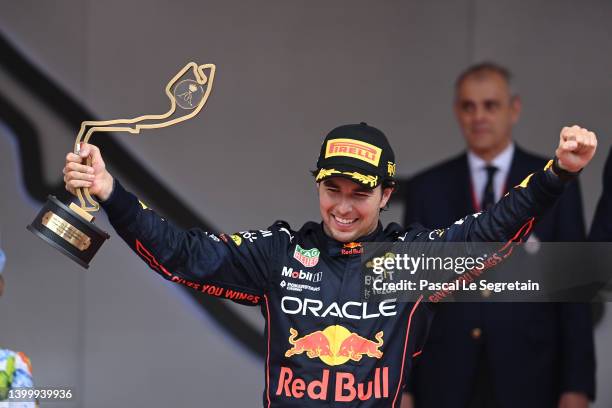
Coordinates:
x,y
313,277
351,248
212,236
353,148
307,257
346,389
237,239
251,236
334,345
391,169
349,310
437,233
298,287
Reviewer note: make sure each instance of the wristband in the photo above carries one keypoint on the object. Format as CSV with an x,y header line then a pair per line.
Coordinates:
x,y
561,173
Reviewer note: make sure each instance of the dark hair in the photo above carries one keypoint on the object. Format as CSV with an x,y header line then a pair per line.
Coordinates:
x,y
484,68
389,184
386,183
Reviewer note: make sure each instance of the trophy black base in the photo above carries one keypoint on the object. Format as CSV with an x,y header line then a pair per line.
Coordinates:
x,y
67,231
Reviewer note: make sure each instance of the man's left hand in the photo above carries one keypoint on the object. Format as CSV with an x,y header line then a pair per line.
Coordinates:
x,y
573,400
576,148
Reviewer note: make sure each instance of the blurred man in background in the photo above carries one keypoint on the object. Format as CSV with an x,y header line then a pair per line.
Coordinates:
x,y
498,354
601,229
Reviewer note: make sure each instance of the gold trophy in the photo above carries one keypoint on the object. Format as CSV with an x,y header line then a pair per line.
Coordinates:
x,y
70,228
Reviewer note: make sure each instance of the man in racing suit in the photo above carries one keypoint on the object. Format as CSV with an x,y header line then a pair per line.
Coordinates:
x,y
325,345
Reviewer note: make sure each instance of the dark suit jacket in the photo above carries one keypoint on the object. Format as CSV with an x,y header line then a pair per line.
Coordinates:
x,y
601,229
535,351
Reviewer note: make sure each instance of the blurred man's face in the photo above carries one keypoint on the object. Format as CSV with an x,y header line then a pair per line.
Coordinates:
x,y
486,112
350,210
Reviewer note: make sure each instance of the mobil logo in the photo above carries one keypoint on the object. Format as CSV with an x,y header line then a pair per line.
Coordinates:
x,y
301,275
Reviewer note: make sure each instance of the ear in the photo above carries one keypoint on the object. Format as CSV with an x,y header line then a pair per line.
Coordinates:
x,y
516,106
386,195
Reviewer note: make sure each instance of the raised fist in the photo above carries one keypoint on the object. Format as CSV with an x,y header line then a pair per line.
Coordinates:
x,y
576,148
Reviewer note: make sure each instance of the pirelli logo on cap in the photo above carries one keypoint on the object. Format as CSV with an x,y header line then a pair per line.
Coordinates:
x,y
355,149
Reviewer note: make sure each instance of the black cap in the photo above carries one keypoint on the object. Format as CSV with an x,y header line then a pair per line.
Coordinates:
x,y
359,152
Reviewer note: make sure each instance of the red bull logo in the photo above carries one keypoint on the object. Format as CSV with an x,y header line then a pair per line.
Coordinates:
x,y
334,345
352,245
352,248
314,344
354,347
346,388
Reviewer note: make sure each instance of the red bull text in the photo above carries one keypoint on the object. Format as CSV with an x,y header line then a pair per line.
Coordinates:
x,y
346,389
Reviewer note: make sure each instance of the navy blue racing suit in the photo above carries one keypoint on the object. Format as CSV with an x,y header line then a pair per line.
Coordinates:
x,y
325,346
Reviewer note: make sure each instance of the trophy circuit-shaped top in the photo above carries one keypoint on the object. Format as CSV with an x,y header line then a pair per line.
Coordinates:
x,y
188,92
70,228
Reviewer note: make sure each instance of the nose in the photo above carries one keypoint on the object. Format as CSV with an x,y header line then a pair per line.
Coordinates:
x,y
345,206
479,113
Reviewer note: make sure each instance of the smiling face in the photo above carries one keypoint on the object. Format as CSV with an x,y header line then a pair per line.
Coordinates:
x,y
486,112
348,209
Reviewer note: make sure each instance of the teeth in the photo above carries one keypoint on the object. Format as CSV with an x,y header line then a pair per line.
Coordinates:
x,y
344,220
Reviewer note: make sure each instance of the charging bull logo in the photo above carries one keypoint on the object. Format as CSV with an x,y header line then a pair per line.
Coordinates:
x,y
355,346
334,345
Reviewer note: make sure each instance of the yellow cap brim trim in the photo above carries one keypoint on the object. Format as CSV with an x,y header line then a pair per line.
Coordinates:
x,y
367,180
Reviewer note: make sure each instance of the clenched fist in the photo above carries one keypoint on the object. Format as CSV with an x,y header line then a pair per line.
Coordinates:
x,y
576,148
95,177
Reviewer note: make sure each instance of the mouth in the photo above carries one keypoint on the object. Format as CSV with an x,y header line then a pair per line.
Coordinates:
x,y
480,129
344,222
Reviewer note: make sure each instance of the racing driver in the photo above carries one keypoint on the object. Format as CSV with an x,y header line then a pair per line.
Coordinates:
x,y
325,345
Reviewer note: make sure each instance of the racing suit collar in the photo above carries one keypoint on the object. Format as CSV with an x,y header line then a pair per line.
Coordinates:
x,y
337,248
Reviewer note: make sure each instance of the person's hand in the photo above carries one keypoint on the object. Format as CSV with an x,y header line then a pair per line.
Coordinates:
x,y
573,400
576,148
96,178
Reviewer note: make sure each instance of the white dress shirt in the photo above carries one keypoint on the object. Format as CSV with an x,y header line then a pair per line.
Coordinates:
x,y
478,172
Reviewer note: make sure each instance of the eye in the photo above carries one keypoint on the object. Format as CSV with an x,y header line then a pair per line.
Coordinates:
x,y
491,105
467,107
